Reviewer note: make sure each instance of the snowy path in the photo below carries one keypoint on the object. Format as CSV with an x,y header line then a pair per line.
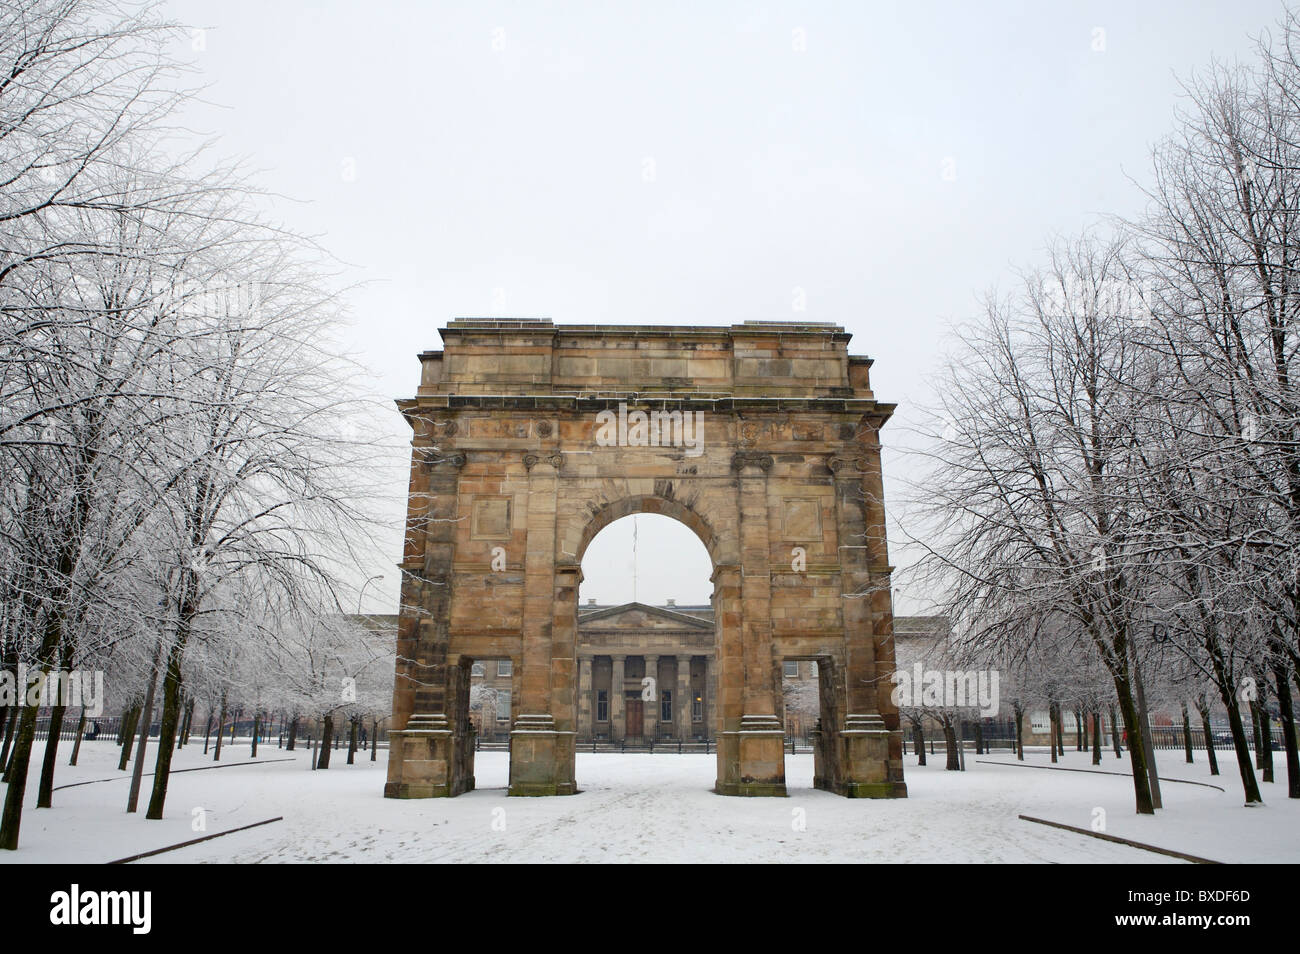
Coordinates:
x,y
653,808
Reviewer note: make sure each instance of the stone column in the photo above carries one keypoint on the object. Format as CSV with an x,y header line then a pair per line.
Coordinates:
x,y
864,740
425,760
652,705
751,750
710,692
617,718
684,698
882,605
586,704
564,647
542,740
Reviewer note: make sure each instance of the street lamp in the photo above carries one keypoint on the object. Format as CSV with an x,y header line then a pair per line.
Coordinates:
x,y
363,590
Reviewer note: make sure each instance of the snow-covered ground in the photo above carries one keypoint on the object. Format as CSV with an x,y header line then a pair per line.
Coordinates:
x,y
640,807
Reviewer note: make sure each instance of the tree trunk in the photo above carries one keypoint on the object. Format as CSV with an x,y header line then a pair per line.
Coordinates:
x,y
257,728
146,719
126,732
1241,747
1052,716
221,727
11,820
1204,710
186,722
918,742
1096,737
1078,731
1287,714
1226,686
1136,750
1020,733
1255,708
979,736
76,745
1266,732
171,715
1114,732
1187,735
352,742
326,735
20,760
374,738
45,790
950,738
11,723
207,731
293,734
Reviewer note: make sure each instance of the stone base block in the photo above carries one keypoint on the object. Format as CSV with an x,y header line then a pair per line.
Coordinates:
x,y
541,758
867,771
751,759
428,760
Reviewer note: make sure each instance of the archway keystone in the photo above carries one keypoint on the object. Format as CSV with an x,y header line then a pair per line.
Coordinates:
x,y
528,438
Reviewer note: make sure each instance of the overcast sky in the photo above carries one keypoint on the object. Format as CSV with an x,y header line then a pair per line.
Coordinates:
x,y
693,163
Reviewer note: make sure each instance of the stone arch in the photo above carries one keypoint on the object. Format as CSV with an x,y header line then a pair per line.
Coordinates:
x,y
665,500
759,437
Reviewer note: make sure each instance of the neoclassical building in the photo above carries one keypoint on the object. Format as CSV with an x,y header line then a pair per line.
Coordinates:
x,y
644,672
619,645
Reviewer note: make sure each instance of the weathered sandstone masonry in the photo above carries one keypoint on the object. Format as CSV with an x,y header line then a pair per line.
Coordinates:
x,y
512,476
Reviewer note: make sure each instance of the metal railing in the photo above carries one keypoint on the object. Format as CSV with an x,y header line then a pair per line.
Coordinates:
x,y
664,746
1162,737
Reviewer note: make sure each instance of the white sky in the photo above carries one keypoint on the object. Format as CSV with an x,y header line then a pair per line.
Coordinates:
x,y
490,158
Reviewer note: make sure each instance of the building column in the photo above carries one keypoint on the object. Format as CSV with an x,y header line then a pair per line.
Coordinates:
x,y
860,765
684,698
585,701
430,748
652,707
751,750
542,740
617,720
710,692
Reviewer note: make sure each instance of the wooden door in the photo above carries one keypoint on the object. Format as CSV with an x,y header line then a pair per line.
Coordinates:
x,y
635,717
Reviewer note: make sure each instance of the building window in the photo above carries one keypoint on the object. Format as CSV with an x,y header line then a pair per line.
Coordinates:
x,y
792,668
812,669
505,667
697,708
602,705
666,706
476,669
503,705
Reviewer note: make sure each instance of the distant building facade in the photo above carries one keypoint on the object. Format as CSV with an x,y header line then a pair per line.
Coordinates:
x,y
619,646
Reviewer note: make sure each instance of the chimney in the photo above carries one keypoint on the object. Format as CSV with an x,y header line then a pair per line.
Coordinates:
x,y
672,602
591,601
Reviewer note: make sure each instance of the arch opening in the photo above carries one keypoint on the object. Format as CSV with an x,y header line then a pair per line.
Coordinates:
x,y
647,635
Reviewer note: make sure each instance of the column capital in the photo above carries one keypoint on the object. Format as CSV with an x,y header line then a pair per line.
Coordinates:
x,y
455,460
742,459
554,460
847,467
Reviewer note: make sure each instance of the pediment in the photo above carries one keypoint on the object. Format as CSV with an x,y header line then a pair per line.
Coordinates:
x,y
639,616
